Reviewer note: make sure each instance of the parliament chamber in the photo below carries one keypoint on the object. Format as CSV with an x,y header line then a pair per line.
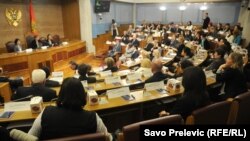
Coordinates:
x,y
104,70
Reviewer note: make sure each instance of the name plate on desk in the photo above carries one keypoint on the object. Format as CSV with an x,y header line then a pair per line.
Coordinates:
x,y
17,106
134,76
154,86
113,80
57,74
118,92
106,73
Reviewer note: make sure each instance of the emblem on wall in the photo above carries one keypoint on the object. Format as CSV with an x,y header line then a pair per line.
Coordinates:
x,y
13,16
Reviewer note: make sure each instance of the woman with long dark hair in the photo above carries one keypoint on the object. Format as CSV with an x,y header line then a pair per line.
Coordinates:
x,y
195,95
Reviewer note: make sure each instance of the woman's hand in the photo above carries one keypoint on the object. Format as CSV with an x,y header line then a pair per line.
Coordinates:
x,y
163,113
222,67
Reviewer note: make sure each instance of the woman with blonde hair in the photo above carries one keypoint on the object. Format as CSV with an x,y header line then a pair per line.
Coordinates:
x,y
231,73
110,64
145,65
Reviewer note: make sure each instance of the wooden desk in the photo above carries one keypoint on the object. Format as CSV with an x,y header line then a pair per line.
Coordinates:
x,y
112,103
5,91
14,63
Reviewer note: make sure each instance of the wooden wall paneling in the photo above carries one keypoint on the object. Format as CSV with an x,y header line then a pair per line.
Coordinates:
x,y
71,19
48,17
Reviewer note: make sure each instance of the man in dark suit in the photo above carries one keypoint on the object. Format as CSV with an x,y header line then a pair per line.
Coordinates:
x,y
49,83
37,88
206,21
35,43
204,42
156,68
135,42
217,60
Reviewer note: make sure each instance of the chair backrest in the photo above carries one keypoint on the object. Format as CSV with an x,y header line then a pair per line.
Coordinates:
x,y
29,40
132,132
240,107
10,46
217,113
87,137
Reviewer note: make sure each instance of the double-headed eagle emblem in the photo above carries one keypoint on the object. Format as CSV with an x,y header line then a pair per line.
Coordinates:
x,y
13,16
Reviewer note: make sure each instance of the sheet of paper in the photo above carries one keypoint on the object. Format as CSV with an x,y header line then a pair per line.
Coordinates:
x,y
103,100
123,72
134,76
209,74
118,92
57,74
17,106
113,80
154,86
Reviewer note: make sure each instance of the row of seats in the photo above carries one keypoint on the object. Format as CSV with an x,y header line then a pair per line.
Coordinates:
x,y
232,111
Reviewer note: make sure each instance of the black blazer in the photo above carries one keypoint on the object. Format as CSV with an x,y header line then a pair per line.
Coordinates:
x,y
149,46
33,44
216,63
206,22
113,69
35,90
89,79
166,42
206,44
51,83
235,82
158,76
188,103
135,43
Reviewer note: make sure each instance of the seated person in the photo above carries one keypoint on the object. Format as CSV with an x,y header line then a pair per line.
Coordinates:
x,y
156,68
217,60
186,53
177,29
156,55
174,43
227,28
213,33
231,73
195,95
189,26
150,44
230,36
134,41
110,65
166,40
37,89
145,65
68,117
89,70
219,27
35,44
182,65
204,42
18,46
125,37
130,50
188,35
74,66
117,48
83,70
225,45
180,47
49,83
49,42
237,37
14,83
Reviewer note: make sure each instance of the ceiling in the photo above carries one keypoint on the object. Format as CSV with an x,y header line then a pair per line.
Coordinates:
x,y
175,1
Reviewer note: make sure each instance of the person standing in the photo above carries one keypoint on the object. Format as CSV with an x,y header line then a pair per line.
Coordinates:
x,y
114,29
206,21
